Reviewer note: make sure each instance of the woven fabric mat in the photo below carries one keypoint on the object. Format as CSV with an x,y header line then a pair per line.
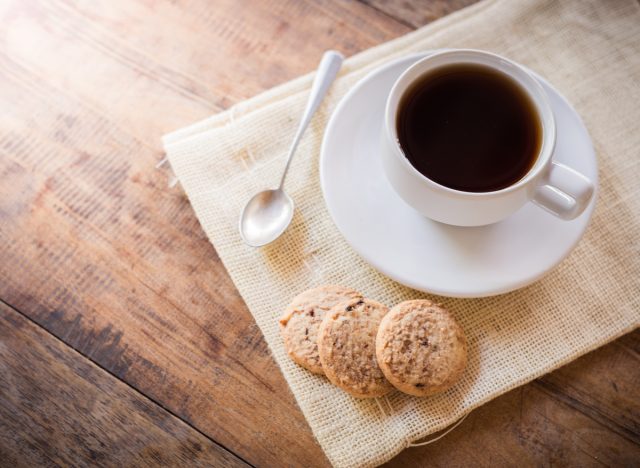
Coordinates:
x,y
590,50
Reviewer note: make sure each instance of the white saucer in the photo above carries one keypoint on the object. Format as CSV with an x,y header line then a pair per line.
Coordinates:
x,y
424,254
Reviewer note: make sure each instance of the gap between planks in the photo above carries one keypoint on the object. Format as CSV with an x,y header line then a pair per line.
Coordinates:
x,y
389,15
135,390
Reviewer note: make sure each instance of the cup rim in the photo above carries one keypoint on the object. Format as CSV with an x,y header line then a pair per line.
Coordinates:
x,y
540,101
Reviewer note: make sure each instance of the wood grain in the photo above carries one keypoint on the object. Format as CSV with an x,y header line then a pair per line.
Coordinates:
x,y
57,408
97,251
417,13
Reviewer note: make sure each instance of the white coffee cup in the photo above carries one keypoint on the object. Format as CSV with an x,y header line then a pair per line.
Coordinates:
x,y
553,186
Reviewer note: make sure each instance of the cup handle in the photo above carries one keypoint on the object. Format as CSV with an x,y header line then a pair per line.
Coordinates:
x,y
564,192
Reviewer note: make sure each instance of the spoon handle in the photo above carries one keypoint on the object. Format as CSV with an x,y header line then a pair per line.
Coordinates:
x,y
326,73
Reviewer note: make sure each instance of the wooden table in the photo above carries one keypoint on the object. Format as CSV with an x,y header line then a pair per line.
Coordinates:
x,y
122,339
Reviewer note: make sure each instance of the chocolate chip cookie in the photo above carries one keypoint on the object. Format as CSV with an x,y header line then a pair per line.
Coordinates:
x,y
346,345
420,348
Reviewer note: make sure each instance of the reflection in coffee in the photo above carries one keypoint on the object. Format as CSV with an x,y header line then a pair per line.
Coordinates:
x,y
469,127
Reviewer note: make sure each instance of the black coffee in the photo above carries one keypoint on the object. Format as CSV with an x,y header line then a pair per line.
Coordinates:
x,y
469,128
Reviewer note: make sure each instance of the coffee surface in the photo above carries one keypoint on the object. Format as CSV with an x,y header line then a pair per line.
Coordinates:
x,y
469,128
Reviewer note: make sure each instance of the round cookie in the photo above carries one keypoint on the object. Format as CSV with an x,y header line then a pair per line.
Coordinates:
x,y
420,348
346,344
301,319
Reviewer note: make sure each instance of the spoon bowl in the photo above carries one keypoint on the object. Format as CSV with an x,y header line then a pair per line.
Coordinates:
x,y
265,217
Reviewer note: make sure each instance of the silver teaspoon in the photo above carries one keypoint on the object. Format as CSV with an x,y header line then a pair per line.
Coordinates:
x,y
266,216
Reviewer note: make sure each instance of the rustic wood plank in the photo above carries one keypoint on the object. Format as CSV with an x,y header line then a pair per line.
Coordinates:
x,y
417,13
588,418
94,247
58,408
161,65
603,385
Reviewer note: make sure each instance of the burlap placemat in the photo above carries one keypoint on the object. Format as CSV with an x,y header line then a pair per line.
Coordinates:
x,y
590,50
